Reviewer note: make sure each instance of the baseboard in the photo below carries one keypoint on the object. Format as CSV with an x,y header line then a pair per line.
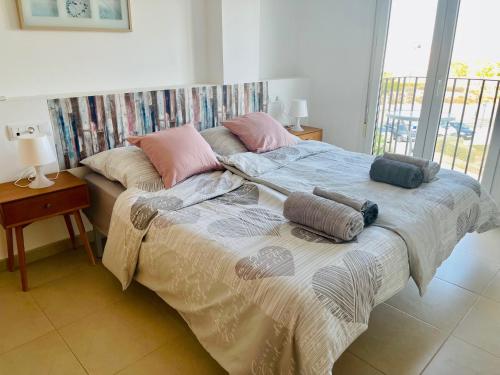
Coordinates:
x,y
48,250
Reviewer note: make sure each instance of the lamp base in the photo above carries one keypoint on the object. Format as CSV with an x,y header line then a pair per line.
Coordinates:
x,y
40,180
297,127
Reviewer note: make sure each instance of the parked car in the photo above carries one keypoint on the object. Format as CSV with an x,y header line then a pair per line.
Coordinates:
x,y
397,132
442,130
465,131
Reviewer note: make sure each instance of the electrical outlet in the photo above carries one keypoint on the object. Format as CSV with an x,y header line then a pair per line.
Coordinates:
x,y
15,131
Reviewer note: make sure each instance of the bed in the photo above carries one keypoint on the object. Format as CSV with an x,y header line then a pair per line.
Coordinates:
x,y
261,294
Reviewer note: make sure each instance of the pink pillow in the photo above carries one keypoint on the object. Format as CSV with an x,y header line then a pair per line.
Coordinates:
x,y
260,132
177,153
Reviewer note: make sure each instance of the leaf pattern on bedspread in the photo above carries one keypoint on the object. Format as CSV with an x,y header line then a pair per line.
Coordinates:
x,y
207,185
467,220
271,261
282,153
188,215
247,194
438,195
349,293
305,235
461,179
249,223
145,209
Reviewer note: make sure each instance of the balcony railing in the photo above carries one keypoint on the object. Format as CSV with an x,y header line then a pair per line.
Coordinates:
x,y
465,128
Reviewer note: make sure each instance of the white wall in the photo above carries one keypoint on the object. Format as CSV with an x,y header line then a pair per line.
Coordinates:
x,y
328,42
335,54
207,40
280,21
241,40
49,62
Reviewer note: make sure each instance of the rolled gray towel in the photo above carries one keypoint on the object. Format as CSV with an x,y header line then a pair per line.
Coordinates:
x,y
323,215
367,208
396,173
356,203
429,168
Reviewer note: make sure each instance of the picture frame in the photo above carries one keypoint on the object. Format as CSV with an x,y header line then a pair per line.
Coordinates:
x,y
75,15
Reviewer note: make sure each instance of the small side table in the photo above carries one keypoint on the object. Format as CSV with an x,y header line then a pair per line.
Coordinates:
x,y
309,133
20,207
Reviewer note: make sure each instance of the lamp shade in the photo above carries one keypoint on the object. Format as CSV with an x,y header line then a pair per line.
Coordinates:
x,y
298,108
35,150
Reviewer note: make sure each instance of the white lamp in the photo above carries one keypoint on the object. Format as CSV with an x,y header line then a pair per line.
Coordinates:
x,y
298,109
35,151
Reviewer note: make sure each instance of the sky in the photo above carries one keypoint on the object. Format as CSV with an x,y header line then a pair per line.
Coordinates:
x,y
477,38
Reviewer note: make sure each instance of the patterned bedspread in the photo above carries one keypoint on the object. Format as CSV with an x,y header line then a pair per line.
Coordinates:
x,y
262,295
431,219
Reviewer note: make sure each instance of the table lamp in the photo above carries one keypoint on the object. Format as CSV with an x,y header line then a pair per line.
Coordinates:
x,y
35,151
298,109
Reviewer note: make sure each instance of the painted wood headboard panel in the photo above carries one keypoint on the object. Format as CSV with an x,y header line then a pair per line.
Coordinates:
x,y
84,126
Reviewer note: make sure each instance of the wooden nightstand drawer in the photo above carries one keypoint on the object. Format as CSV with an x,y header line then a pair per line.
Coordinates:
x,y
40,206
309,133
316,136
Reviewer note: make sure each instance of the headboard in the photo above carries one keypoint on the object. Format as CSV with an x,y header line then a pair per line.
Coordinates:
x,y
86,125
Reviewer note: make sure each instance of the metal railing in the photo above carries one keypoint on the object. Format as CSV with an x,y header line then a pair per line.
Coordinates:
x,y
465,127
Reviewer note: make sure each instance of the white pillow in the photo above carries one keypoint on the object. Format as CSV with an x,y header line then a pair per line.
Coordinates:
x,y
222,141
128,165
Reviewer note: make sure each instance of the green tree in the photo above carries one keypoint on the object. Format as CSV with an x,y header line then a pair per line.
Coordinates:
x,y
459,69
487,70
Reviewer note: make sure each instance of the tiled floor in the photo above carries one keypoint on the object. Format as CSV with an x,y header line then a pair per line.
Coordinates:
x,y
76,320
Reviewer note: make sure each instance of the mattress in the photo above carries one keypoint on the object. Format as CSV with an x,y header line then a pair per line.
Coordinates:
x,y
103,194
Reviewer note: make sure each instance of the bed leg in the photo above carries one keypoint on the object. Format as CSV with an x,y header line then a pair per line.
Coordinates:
x,y
98,243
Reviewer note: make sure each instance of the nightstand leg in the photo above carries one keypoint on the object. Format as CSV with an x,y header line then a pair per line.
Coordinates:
x,y
10,250
83,236
69,225
21,257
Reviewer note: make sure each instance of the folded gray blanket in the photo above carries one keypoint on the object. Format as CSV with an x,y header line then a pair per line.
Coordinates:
x,y
429,168
396,173
323,216
367,208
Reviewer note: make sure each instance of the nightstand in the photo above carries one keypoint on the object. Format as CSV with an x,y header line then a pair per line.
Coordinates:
x,y
20,207
309,133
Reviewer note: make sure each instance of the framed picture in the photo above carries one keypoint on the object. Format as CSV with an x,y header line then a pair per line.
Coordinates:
x,y
97,15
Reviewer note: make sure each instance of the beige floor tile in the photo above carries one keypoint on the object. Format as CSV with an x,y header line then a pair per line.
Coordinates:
x,y
493,290
481,327
397,343
349,364
21,320
468,270
443,305
45,355
56,266
10,280
69,298
184,355
459,358
484,245
121,333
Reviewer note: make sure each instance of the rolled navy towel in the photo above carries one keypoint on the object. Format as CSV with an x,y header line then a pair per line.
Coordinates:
x,y
370,213
323,216
396,173
368,209
429,168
